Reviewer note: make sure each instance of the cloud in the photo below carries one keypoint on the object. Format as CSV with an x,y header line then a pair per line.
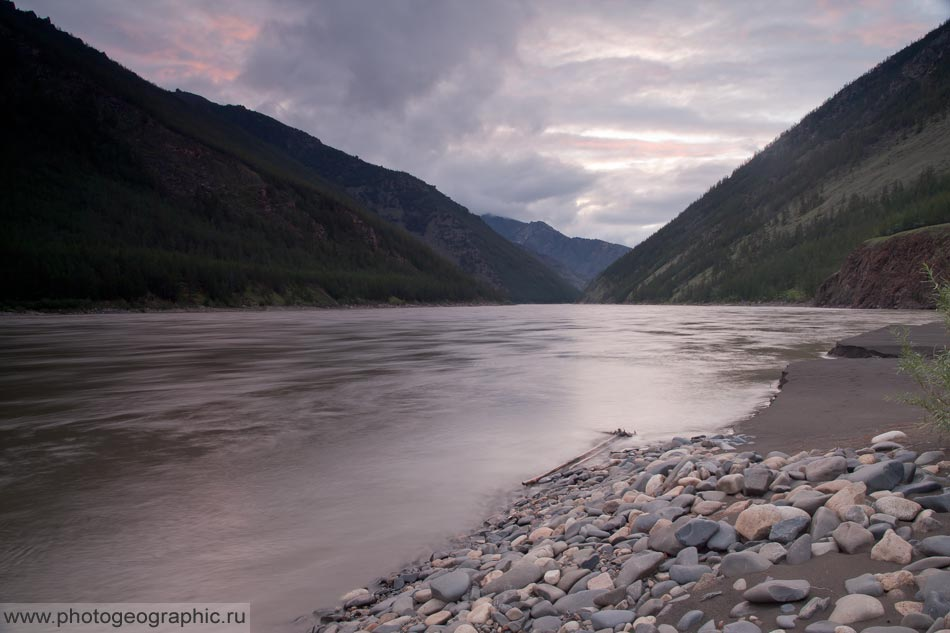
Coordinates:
x,y
604,119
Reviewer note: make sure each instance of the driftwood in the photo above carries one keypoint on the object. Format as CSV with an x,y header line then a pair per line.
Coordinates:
x,y
580,458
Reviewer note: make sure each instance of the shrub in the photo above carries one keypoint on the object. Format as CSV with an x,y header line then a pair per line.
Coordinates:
x,y
931,374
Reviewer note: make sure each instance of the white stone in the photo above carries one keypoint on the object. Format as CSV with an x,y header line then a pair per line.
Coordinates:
x,y
893,549
889,436
903,509
601,581
856,607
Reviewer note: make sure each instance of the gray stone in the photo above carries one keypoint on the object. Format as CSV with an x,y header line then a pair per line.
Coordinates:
x,y
880,476
854,514
549,592
931,562
823,523
786,621
756,481
930,457
638,566
935,545
852,538
724,538
662,587
919,487
708,627
684,574
451,586
742,564
788,530
935,592
689,620
612,597
866,584
610,618
546,624
543,608
821,626
856,607
741,610
572,603
778,591
799,551
522,573
742,626
696,532
570,577
826,469
688,556
917,621
887,629
810,500
812,607
663,538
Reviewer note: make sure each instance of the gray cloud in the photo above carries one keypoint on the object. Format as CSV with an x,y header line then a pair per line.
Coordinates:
x,y
605,119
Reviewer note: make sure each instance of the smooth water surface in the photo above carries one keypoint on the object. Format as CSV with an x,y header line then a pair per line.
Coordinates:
x,y
284,457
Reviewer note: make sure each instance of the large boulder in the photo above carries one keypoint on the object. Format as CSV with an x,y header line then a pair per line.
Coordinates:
x,y
755,522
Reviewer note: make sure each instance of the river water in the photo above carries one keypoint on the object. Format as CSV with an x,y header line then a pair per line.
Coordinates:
x,y
283,457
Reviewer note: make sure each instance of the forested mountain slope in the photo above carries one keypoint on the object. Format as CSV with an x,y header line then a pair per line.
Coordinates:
x,y
576,259
872,160
410,203
116,192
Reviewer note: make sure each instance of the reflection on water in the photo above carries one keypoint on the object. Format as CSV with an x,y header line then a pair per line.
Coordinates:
x,y
284,457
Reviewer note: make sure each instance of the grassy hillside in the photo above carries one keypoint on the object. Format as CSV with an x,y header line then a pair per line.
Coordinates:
x,y
871,160
408,202
113,191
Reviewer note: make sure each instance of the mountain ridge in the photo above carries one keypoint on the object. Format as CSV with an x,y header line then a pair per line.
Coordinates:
x,y
118,192
409,202
871,160
577,259
114,192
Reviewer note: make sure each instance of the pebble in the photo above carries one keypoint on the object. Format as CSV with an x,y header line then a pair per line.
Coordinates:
x,y
655,531
852,538
743,564
778,591
610,618
856,608
892,549
866,584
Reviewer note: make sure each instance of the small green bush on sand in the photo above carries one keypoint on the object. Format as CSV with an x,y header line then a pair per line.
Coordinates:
x,y
932,375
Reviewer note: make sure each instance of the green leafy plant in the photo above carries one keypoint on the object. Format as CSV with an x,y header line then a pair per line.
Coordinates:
x,y
931,374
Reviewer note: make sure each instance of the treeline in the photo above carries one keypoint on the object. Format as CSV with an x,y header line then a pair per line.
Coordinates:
x,y
789,261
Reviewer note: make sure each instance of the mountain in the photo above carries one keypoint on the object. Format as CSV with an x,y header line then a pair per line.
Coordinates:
x,y
116,192
872,160
887,272
576,259
406,201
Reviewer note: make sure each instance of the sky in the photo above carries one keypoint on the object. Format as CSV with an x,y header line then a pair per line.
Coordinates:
x,y
602,118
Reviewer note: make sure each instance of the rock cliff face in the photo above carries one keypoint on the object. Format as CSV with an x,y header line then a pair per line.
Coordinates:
x,y
887,272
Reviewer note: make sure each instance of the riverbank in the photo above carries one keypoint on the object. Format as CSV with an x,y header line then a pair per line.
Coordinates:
x,y
727,532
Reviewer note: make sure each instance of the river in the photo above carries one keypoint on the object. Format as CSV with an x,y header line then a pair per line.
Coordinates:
x,y
283,457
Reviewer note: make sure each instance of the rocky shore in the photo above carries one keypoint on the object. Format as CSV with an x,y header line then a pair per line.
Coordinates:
x,y
698,534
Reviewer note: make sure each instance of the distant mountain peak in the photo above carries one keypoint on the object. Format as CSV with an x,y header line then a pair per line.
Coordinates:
x,y
576,259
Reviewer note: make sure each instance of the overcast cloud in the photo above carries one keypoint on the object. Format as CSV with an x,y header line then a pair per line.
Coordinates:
x,y
604,119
